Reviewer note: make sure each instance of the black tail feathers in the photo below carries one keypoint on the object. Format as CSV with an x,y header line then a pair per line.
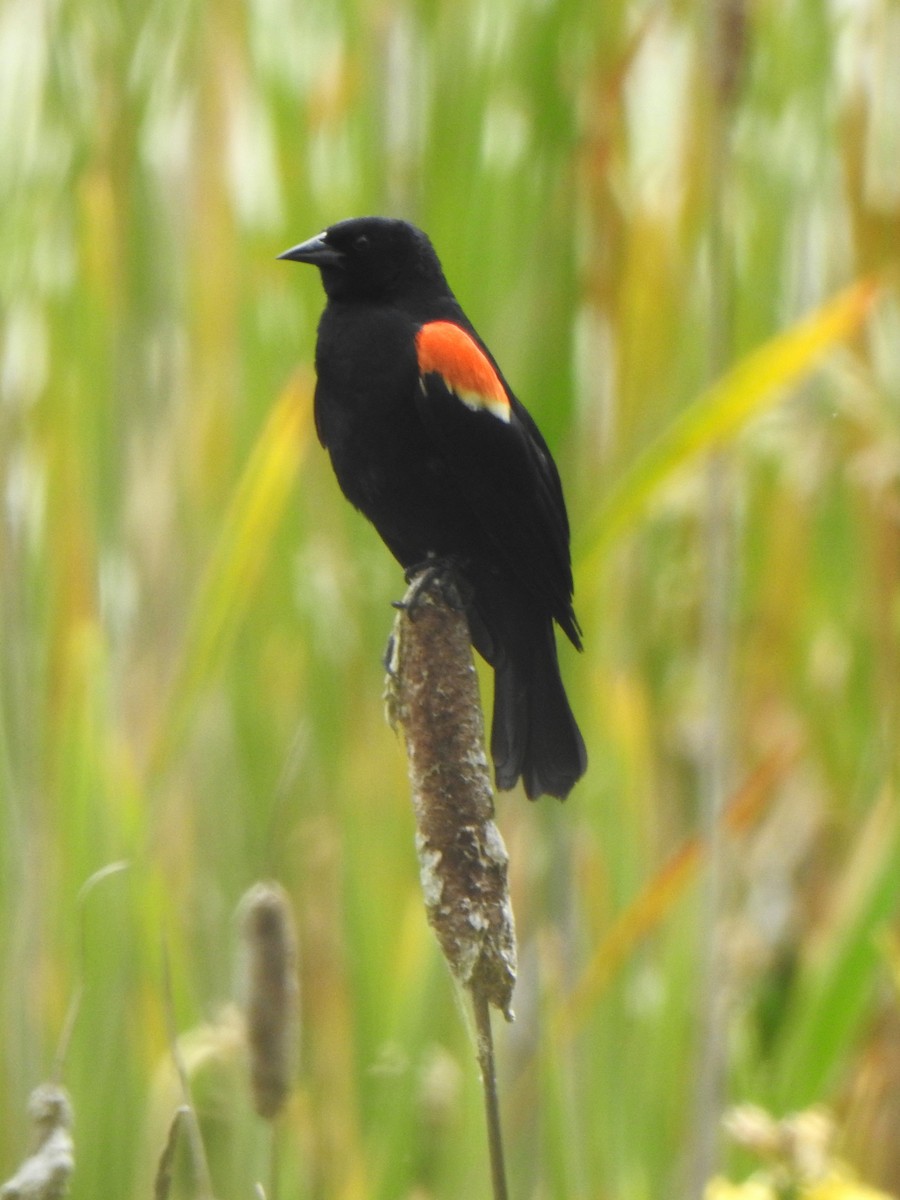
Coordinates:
x,y
534,734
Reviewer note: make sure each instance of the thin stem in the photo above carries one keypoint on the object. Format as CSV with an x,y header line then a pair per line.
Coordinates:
x,y
726,32
274,1160
485,1037
65,1037
74,1008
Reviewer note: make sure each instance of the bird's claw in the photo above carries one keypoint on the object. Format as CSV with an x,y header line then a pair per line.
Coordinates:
x,y
434,575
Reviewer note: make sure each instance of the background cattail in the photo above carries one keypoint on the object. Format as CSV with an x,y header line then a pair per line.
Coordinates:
x,y
729,52
45,1174
270,993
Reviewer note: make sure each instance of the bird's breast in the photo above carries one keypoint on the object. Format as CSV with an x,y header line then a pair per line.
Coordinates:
x,y
367,376
366,370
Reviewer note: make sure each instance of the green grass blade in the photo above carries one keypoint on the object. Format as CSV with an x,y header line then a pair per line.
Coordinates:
x,y
837,979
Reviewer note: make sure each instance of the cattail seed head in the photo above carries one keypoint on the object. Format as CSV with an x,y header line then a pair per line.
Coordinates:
x,y
46,1173
270,992
730,48
433,695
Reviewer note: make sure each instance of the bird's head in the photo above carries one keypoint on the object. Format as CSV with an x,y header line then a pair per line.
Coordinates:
x,y
371,258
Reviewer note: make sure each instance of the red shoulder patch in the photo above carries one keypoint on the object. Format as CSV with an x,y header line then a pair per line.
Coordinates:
x,y
444,349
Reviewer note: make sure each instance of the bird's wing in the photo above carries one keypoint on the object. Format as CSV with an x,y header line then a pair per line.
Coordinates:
x,y
503,466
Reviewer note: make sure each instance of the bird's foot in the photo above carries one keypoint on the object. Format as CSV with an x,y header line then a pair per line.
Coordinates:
x,y
429,563
439,575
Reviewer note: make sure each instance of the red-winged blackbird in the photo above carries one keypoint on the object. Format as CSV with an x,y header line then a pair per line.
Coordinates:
x,y
428,441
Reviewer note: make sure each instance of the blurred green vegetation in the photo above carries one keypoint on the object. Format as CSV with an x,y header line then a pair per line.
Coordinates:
x,y
193,619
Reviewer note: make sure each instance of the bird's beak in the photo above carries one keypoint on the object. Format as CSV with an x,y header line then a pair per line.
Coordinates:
x,y
316,251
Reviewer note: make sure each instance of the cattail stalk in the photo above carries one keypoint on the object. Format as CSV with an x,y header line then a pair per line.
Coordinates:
x,y
433,695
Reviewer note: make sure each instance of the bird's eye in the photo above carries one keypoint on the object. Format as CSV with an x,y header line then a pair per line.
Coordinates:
x,y
361,242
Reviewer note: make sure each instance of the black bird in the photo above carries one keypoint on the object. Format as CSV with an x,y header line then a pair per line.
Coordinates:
x,y
428,441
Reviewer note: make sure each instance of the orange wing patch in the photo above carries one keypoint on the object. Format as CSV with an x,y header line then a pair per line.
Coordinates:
x,y
446,350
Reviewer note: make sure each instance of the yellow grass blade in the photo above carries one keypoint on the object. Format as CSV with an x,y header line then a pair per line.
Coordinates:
x,y
239,558
751,386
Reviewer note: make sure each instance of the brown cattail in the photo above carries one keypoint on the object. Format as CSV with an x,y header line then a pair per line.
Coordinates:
x,y
270,993
433,695
45,1174
729,52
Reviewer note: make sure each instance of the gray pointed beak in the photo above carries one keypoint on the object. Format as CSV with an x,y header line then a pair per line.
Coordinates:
x,y
316,251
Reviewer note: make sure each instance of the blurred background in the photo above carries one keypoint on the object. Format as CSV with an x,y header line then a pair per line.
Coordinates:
x,y
630,199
